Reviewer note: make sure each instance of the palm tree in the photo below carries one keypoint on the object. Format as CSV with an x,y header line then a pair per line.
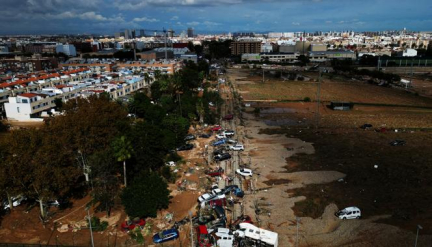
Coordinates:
x,y
122,151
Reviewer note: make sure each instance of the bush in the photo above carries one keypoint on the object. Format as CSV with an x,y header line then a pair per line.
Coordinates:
x,y
137,235
98,225
307,99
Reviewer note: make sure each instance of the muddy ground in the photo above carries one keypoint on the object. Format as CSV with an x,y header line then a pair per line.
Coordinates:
x,y
309,173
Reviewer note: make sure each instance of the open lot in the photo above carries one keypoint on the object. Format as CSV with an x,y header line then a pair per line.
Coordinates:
x,y
391,184
252,88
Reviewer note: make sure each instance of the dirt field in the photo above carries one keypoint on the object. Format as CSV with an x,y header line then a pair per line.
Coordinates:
x,y
252,88
310,174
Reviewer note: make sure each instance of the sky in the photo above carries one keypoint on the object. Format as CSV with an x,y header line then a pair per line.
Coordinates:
x,y
211,16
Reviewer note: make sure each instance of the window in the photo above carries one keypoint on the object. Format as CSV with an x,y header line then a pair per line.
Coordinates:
x,y
24,101
18,109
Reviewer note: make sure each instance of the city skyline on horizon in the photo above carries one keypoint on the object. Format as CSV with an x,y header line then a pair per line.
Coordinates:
x,y
27,17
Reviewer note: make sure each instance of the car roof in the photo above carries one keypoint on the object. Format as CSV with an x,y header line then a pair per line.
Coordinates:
x,y
172,230
351,208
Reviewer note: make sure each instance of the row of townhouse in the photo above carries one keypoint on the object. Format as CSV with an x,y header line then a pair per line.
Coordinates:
x,y
34,84
33,106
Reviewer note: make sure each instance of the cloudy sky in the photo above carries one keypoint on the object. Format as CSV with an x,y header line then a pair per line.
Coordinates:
x,y
210,16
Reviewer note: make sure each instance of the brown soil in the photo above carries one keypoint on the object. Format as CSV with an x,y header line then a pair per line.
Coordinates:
x,y
272,182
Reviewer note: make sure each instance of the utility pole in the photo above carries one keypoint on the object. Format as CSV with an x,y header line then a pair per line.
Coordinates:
x,y
412,72
263,76
90,225
419,227
191,232
317,114
297,236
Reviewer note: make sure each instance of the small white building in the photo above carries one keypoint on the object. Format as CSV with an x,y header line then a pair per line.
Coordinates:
x,y
27,106
408,53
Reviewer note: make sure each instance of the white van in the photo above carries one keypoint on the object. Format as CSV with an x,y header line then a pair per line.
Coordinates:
x,y
349,213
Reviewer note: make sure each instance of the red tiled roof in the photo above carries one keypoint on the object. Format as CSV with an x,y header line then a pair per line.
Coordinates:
x,y
24,82
28,95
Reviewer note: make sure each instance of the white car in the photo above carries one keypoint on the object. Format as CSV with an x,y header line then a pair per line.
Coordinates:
x,y
229,132
170,163
216,191
231,141
237,147
244,172
349,213
16,201
221,136
205,197
211,198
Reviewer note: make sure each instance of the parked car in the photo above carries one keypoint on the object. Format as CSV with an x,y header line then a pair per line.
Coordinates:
x,y
237,147
203,236
216,128
219,211
219,142
398,143
185,147
222,156
189,137
205,197
170,163
213,198
218,151
366,126
231,141
205,135
216,191
244,172
238,192
229,132
229,188
16,201
165,236
349,213
129,225
221,223
221,136
215,173
242,219
228,117
217,202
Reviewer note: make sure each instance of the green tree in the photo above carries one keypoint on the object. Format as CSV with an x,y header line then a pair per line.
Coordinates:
x,y
150,148
122,151
106,185
147,194
40,165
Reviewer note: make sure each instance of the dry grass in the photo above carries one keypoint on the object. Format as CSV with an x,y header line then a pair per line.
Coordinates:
x,y
331,91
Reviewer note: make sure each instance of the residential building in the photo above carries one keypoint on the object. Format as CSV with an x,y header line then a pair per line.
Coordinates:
x,y
407,53
67,49
155,55
241,47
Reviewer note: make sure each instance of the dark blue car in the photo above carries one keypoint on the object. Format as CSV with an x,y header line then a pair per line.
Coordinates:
x,y
219,142
165,235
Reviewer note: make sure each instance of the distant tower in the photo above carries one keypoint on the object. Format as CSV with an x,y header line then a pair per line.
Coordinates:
x,y
127,34
170,33
190,32
141,33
